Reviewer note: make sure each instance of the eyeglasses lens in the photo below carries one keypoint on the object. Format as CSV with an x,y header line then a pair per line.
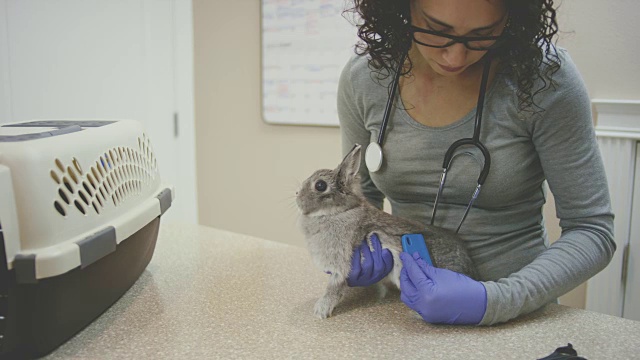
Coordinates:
x,y
434,40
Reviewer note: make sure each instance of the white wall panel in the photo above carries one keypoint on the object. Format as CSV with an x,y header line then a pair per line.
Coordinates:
x,y
87,59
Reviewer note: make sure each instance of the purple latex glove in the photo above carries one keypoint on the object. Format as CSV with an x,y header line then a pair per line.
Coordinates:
x,y
368,267
441,296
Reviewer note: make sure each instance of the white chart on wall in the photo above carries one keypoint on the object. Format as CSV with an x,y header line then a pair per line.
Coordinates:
x,y
305,45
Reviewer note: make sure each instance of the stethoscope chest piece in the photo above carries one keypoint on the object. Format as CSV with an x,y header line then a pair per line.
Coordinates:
x,y
373,157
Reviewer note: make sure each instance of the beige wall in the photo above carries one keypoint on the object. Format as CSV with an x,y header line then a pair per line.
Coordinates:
x,y
248,171
603,38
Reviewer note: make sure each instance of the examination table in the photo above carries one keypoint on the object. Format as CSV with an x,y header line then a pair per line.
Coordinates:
x,y
209,293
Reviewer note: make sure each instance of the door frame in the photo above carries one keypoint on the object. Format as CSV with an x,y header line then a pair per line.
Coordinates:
x,y
184,93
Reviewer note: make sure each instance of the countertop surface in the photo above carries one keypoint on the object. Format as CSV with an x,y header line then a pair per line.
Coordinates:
x,y
209,293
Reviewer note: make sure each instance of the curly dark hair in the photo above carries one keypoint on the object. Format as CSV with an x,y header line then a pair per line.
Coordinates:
x,y
528,44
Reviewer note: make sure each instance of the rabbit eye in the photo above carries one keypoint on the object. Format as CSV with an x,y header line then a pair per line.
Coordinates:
x,y
321,185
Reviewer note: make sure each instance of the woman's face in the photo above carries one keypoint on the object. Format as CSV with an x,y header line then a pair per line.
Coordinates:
x,y
456,17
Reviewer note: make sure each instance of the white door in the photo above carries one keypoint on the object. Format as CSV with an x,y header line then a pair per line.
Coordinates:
x,y
106,59
631,308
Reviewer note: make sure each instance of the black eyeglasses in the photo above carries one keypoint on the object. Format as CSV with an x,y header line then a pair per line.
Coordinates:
x,y
437,39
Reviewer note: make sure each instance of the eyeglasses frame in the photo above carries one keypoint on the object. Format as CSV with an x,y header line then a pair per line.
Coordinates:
x,y
499,39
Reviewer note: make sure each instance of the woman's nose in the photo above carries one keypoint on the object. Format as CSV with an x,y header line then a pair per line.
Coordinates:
x,y
455,55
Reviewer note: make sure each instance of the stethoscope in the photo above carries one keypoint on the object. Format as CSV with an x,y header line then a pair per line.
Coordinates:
x,y
373,154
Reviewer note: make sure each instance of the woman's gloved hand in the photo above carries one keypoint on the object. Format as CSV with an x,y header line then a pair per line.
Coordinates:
x,y
441,296
368,267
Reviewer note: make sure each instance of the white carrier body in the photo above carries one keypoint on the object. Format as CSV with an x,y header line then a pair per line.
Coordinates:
x,y
70,191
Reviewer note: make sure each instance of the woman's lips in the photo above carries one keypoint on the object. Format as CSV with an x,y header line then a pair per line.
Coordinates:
x,y
451,69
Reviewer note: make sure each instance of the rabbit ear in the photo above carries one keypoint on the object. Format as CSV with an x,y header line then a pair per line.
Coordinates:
x,y
349,167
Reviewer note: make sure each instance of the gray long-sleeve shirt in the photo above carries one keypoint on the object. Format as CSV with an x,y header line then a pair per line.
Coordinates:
x,y
504,231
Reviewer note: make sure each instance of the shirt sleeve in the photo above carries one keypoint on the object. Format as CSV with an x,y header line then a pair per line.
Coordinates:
x,y
353,129
565,141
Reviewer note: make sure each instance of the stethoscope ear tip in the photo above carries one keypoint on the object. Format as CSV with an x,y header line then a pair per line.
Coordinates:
x,y
373,157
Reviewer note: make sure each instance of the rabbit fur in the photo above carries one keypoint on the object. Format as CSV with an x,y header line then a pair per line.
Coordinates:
x,y
336,217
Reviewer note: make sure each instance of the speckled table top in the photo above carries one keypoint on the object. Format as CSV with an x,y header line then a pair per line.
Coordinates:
x,y
209,294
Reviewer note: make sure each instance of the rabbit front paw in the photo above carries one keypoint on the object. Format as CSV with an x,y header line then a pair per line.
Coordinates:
x,y
324,307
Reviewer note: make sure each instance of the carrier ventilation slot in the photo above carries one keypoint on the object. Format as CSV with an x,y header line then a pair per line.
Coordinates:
x,y
117,175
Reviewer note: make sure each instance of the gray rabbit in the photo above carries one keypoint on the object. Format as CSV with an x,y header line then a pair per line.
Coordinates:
x,y
336,217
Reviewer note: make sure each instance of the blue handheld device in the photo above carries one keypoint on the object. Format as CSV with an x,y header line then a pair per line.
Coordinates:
x,y
415,242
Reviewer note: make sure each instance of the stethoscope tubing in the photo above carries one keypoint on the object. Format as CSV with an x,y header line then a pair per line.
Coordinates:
x,y
475,140
390,100
374,154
